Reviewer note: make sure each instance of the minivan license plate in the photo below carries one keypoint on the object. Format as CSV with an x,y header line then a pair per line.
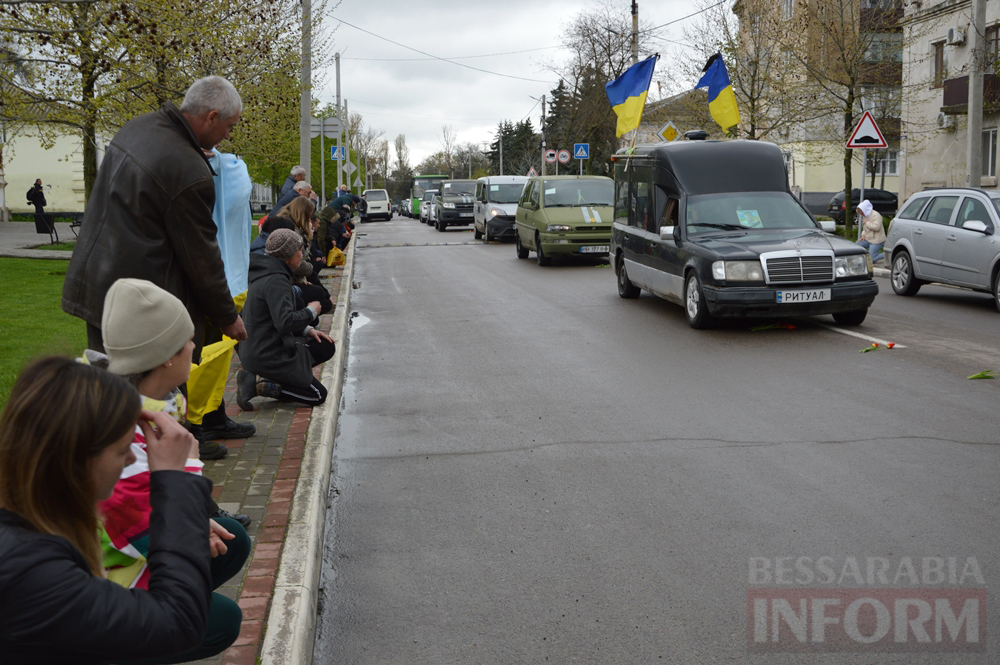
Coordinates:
x,y
815,295
594,249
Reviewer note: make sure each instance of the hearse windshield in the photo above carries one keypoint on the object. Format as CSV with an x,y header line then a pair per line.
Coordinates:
x,y
572,193
458,188
745,210
506,193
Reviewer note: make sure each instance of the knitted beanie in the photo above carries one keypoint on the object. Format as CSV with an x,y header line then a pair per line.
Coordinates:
x,y
865,207
283,243
143,326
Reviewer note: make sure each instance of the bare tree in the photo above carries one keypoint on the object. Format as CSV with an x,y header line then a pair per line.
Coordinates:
x,y
402,153
448,147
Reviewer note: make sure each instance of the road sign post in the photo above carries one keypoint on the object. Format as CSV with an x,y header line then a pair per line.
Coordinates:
x,y
581,151
866,135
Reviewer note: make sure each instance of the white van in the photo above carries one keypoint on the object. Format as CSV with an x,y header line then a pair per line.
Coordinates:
x,y
379,206
496,204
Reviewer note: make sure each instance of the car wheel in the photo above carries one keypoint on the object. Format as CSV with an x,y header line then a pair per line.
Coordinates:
x,y
694,303
855,318
996,289
441,226
486,232
476,232
522,253
903,281
540,255
626,289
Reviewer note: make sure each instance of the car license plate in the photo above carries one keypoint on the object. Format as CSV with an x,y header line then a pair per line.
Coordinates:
x,y
465,214
815,295
594,249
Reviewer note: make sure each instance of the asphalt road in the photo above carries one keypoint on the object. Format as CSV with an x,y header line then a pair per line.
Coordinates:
x,y
530,469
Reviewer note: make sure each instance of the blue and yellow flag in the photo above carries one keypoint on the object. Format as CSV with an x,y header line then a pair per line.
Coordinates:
x,y
721,98
627,94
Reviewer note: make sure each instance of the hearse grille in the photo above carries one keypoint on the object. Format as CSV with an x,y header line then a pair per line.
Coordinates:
x,y
799,268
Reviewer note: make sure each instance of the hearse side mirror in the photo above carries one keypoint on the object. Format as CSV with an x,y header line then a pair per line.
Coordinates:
x,y
976,225
828,225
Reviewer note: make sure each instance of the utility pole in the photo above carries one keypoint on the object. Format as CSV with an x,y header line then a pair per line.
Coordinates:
x,y
975,152
341,118
635,32
543,134
501,151
347,143
305,110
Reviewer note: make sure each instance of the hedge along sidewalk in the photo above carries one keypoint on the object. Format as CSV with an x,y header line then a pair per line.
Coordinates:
x,y
291,621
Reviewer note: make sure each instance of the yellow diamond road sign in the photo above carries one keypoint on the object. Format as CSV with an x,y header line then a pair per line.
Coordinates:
x,y
669,132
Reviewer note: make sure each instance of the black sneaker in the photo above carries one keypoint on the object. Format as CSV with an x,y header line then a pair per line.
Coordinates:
x,y
244,520
211,450
230,429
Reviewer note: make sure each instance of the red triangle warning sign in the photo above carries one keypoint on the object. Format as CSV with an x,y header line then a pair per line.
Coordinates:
x,y
532,172
867,134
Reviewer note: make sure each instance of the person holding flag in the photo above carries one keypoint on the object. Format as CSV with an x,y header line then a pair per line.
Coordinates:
x,y
721,98
627,94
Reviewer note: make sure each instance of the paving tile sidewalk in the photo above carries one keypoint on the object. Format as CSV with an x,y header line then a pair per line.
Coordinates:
x,y
258,478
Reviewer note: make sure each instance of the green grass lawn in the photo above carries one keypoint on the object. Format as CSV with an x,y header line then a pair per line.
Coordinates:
x,y
33,323
58,246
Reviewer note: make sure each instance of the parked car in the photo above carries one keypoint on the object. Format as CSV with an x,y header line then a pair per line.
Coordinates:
x,y
496,206
713,227
454,204
433,207
425,203
378,205
564,215
884,202
947,236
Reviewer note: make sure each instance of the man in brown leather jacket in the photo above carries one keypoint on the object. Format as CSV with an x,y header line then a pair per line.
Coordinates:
x,y
150,217
150,214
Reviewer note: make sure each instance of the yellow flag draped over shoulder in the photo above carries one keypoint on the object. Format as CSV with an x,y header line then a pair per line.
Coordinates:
x,y
721,98
627,94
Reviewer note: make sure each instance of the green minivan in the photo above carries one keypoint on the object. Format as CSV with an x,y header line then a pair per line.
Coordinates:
x,y
563,215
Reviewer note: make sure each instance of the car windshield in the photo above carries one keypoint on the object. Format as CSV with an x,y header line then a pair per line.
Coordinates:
x,y
457,188
745,210
506,193
579,193
996,201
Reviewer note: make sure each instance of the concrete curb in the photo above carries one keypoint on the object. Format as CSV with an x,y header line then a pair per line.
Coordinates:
x,y
291,621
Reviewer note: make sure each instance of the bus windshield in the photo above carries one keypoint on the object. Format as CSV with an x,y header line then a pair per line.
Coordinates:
x,y
422,183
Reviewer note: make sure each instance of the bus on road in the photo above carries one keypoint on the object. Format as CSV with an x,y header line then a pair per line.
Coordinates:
x,y
418,185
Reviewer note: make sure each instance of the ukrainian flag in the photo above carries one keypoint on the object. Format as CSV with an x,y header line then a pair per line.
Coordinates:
x,y
721,98
627,94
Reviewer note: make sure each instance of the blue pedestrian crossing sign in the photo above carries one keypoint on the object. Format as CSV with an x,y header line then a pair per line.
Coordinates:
x,y
338,152
581,150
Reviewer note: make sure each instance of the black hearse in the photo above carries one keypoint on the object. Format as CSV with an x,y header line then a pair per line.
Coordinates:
x,y
712,226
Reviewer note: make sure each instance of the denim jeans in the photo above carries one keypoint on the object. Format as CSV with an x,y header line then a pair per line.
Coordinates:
x,y
874,248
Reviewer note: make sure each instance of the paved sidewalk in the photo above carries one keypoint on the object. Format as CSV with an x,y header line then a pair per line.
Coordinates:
x,y
16,236
260,477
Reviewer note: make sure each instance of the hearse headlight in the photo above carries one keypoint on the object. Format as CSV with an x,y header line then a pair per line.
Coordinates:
x,y
555,228
449,206
854,265
738,271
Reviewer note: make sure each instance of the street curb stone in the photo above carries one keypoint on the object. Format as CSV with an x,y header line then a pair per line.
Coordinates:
x,y
291,623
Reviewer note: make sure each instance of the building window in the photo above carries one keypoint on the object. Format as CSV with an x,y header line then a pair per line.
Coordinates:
x,y
888,163
937,74
993,48
990,152
885,47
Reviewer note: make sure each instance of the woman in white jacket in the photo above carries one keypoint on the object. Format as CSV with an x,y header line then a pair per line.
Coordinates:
x,y
872,236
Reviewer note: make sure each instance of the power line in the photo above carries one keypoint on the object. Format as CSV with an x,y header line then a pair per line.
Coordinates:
x,y
431,55
678,20
458,57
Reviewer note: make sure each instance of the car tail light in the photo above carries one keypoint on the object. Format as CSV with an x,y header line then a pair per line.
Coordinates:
x,y
843,205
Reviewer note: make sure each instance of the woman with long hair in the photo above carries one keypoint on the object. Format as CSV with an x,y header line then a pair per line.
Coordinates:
x,y
65,437
302,212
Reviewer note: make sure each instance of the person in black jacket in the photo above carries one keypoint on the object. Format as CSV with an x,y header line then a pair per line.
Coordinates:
x,y
281,346
55,605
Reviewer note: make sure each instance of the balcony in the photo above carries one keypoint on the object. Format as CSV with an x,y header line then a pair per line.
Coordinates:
x,y
955,100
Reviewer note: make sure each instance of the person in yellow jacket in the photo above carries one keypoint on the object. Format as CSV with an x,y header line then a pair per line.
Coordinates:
x,y
872,235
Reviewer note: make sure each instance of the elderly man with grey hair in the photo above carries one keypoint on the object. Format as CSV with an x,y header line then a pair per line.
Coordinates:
x,y
149,217
298,174
301,188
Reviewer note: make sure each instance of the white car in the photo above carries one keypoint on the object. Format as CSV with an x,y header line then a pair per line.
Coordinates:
x,y
378,205
425,204
496,206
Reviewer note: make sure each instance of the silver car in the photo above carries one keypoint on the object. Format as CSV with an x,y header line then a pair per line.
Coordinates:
x,y
947,236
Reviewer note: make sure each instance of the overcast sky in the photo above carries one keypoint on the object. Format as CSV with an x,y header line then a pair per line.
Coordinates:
x,y
404,92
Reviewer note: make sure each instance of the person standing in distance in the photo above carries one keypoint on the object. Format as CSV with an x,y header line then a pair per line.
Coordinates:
x,y
298,174
150,214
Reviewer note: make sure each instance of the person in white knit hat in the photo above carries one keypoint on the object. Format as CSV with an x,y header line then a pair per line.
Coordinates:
x,y
872,231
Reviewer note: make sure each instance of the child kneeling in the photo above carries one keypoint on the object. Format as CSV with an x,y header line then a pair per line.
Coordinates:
x,y
282,346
